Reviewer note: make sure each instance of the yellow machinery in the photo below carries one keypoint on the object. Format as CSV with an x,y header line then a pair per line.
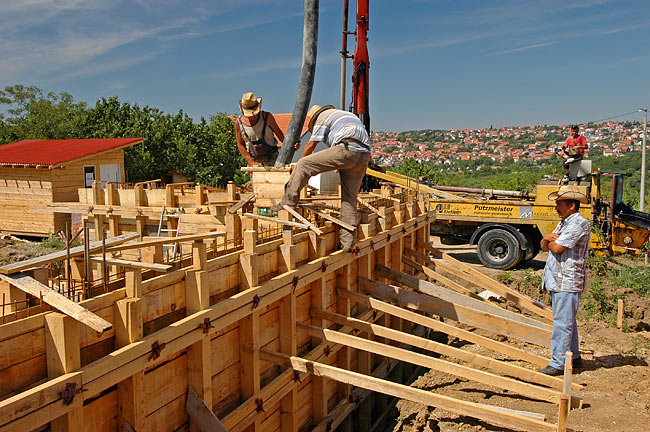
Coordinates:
x,y
507,226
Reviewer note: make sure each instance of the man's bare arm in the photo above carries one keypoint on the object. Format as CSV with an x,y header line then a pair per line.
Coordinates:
x,y
548,243
242,147
309,148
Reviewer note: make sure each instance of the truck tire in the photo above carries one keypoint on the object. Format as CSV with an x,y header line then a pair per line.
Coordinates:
x,y
499,249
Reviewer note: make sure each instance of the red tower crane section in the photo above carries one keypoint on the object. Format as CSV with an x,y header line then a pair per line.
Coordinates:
x,y
361,65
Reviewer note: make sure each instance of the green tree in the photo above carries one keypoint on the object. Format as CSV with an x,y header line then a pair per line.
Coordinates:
x,y
30,114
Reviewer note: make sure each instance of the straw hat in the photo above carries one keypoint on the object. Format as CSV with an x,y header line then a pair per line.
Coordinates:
x,y
313,114
568,193
249,104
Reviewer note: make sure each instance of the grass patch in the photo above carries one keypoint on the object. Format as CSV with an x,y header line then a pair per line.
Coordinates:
x,y
54,241
636,278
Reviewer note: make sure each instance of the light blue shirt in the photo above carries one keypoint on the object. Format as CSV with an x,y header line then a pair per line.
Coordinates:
x,y
332,126
567,272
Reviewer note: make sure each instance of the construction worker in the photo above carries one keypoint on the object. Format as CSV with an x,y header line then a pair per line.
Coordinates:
x,y
565,275
256,132
348,152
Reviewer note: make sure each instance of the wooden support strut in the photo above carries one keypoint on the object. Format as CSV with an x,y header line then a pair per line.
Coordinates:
x,y
446,328
524,389
276,220
304,220
329,218
447,350
459,313
466,272
402,391
453,297
201,415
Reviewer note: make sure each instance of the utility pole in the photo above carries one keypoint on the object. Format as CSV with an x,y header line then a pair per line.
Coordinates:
x,y
645,134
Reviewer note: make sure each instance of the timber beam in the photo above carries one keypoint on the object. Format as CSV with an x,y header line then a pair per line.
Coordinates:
x,y
492,415
33,287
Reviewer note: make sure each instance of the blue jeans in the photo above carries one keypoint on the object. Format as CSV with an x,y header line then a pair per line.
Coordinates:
x,y
565,329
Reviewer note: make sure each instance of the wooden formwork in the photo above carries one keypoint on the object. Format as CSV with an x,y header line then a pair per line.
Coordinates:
x,y
286,333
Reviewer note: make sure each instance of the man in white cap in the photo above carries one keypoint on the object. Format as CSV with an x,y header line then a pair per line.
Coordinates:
x,y
565,274
256,132
348,152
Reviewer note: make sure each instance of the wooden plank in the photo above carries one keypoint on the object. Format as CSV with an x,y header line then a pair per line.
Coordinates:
x,y
276,220
241,203
488,283
368,206
201,414
447,350
133,264
402,391
329,218
165,240
459,313
446,328
57,256
437,277
26,411
465,372
455,298
302,219
33,287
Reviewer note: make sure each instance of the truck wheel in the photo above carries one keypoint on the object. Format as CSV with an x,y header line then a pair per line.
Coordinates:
x,y
499,249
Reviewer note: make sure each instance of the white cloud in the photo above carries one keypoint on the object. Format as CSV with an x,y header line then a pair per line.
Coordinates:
x,y
523,48
45,39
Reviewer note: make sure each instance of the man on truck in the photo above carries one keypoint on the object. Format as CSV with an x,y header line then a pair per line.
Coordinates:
x,y
565,275
573,149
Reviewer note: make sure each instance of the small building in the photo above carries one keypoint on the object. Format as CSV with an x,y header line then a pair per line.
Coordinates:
x,y
34,173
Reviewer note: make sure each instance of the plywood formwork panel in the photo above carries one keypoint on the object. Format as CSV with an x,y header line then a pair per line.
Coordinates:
x,y
101,413
165,383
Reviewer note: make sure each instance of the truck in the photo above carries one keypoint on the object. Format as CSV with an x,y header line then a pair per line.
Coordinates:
x,y
507,226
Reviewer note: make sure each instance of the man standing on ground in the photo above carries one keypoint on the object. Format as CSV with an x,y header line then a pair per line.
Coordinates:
x,y
573,149
565,274
348,152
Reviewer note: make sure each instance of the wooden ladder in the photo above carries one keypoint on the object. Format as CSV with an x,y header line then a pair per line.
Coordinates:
x,y
166,213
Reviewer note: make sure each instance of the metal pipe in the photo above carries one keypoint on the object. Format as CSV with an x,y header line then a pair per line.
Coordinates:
x,y
305,84
486,192
67,260
643,166
104,259
87,270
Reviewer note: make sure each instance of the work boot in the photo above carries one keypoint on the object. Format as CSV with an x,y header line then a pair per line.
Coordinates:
x,y
549,370
577,363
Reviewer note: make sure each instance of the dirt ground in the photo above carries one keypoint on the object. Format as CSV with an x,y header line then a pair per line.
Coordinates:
x,y
14,250
616,376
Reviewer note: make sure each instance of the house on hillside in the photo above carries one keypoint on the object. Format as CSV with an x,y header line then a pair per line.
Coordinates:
x,y
34,173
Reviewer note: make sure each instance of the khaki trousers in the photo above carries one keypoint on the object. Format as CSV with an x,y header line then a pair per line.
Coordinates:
x,y
352,167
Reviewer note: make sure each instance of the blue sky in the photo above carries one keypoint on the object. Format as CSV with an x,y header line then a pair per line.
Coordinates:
x,y
433,64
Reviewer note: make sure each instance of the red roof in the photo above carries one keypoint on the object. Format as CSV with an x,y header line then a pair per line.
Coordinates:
x,y
283,122
54,152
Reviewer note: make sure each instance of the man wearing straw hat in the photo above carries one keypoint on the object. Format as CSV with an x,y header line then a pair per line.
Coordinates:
x,y
256,131
565,274
348,152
